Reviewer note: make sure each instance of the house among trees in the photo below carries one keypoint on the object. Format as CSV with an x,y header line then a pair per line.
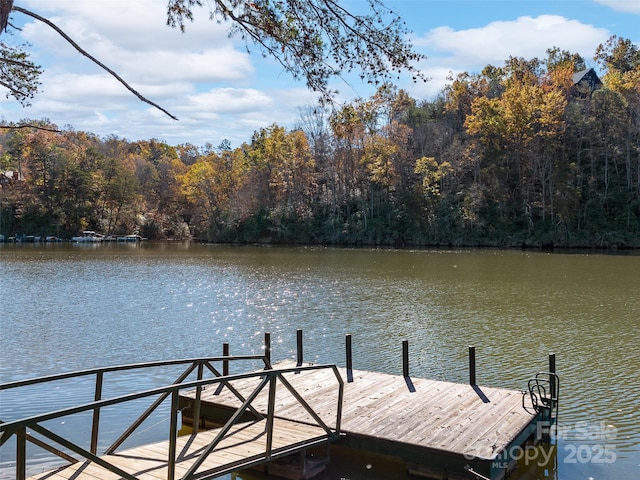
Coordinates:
x,y
9,176
586,82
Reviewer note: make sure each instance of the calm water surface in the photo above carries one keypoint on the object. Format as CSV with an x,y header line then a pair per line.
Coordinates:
x,y
68,307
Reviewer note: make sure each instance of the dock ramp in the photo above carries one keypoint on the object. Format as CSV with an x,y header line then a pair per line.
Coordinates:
x,y
248,438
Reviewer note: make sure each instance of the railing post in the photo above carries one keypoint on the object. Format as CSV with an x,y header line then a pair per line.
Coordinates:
x,y
349,358
552,369
225,363
472,365
267,348
21,453
405,358
299,345
173,436
340,399
270,414
195,423
96,414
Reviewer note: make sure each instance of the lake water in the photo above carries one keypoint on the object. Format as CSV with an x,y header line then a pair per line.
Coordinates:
x,y
67,307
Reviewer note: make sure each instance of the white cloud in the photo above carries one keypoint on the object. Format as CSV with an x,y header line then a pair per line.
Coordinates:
x,y
210,66
438,78
526,37
454,51
229,100
145,49
629,6
139,24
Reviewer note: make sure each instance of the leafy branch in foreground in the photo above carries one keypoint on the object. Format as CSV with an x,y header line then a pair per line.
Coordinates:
x,y
315,40
18,74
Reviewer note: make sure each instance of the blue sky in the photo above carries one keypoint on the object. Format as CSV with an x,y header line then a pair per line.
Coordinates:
x,y
218,91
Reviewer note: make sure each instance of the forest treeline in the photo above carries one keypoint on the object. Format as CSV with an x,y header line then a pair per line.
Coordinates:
x,y
537,152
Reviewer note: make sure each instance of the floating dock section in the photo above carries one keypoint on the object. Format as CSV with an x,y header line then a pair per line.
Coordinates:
x,y
441,430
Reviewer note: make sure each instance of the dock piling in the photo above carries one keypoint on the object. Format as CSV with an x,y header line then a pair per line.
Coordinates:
x,y
405,358
267,348
349,358
552,370
225,363
21,453
299,345
198,400
173,435
472,365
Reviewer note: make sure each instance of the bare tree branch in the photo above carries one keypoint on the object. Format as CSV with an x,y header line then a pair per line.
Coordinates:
x,y
5,10
9,87
28,125
13,62
90,57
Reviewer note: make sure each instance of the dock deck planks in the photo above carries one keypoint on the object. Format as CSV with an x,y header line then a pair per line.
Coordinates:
x,y
434,415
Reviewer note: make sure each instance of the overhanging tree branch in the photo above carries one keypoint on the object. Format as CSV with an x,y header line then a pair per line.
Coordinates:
x,y
29,125
10,61
5,10
9,87
93,59
315,39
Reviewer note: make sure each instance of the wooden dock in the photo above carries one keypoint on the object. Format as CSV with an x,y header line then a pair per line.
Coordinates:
x,y
288,416
438,428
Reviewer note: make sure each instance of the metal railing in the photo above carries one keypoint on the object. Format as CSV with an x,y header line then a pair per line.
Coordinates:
x,y
268,376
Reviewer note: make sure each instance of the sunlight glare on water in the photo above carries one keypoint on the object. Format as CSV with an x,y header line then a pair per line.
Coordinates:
x,y
73,308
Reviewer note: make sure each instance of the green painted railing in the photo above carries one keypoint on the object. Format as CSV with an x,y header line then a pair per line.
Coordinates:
x,y
268,376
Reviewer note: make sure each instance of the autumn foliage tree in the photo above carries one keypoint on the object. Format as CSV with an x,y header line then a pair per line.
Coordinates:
x,y
516,155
